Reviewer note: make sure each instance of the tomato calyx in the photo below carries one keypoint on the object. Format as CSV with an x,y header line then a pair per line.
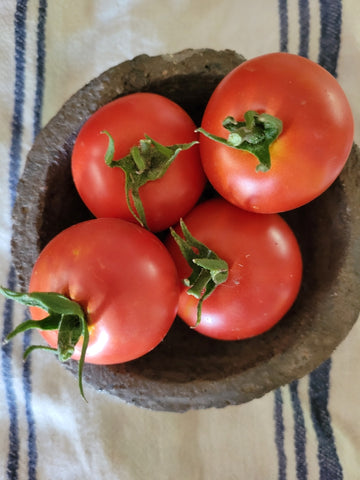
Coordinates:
x,y
208,269
64,315
146,162
255,135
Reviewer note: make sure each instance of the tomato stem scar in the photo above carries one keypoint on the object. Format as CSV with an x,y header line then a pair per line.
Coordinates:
x,y
64,315
254,135
208,269
146,162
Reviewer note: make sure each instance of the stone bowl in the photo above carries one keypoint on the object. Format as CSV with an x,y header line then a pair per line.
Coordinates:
x,y
188,370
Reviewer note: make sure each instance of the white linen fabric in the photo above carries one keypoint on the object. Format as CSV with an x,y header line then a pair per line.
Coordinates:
x,y
309,429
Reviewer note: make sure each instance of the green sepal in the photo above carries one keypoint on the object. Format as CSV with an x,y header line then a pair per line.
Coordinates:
x,y
48,301
65,315
254,135
208,269
37,347
49,323
146,162
70,330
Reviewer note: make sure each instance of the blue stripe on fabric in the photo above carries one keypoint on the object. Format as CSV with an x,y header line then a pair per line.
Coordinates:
x,y
27,383
300,433
40,66
17,121
330,467
331,20
14,167
304,19
284,25
6,353
279,434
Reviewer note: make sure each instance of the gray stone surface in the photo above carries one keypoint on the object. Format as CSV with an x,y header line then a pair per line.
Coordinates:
x,y
188,370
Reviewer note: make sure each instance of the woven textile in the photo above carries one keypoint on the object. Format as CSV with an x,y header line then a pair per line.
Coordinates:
x,y
307,430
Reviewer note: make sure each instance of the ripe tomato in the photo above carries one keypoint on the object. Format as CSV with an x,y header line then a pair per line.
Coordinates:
x,y
264,270
128,119
310,152
124,279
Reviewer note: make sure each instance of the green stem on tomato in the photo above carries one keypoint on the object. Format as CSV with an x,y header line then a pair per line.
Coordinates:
x,y
146,162
208,269
255,135
64,315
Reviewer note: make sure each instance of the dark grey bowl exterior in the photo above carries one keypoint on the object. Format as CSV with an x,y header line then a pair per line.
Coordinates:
x,y
187,370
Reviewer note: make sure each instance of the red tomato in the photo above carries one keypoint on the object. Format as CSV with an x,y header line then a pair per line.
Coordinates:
x,y
265,270
128,119
124,279
307,156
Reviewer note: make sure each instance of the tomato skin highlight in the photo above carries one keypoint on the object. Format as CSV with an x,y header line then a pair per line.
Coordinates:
x,y
128,119
265,270
311,151
124,279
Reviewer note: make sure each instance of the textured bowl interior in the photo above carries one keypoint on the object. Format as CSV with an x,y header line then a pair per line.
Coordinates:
x,y
188,370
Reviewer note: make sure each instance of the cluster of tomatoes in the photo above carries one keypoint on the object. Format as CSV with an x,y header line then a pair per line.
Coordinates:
x,y
275,134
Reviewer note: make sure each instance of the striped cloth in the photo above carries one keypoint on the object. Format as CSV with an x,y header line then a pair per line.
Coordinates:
x,y
307,430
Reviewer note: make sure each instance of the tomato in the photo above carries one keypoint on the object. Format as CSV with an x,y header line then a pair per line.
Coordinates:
x,y
264,270
128,119
311,149
124,279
